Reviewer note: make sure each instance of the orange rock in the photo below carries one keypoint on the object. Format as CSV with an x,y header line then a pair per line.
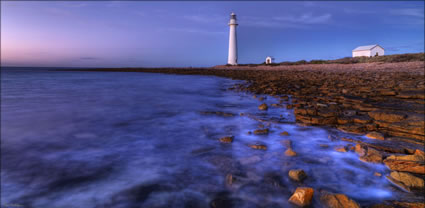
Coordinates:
x,y
261,131
338,201
289,152
341,149
227,139
372,155
406,163
263,107
406,181
302,196
375,135
387,116
258,146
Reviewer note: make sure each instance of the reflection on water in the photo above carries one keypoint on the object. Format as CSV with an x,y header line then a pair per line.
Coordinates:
x,y
95,139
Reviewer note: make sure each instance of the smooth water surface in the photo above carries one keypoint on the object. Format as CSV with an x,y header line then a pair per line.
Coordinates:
x,y
110,139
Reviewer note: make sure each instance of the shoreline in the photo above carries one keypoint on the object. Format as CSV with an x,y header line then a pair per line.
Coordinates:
x,y
356,98
382,101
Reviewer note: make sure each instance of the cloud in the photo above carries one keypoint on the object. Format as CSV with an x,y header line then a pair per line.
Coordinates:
x,y
288,21
358,11
412,12
307,18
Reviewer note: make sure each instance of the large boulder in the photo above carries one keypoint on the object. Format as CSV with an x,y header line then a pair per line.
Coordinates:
x,y
407,163
337,201
406,181
302,196
372,155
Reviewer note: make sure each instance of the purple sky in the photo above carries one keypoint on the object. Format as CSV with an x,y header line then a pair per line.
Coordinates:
x,y
194,33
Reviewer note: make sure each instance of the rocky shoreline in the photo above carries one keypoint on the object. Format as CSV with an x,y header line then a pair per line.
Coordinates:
x,y
382,101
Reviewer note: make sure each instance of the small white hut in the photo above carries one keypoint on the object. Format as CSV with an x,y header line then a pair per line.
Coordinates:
x,y
369,51
269,60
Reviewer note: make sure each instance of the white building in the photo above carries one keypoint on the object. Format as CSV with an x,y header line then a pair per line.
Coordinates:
x,y
269,60
369,51
233,48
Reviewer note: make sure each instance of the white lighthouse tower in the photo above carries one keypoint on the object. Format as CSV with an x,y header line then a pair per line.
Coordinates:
x,y
233,47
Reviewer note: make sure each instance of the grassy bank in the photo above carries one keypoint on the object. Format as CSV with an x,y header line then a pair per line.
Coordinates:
x,y
408,57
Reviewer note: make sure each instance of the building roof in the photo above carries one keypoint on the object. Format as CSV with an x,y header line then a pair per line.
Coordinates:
x,y
365,48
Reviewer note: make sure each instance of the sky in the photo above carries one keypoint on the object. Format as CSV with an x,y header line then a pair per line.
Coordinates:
x,y
195,33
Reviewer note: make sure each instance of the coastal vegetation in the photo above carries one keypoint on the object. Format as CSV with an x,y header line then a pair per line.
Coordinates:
x,y
408,57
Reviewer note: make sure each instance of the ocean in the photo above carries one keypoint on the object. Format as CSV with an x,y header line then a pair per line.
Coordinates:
x,y
127,139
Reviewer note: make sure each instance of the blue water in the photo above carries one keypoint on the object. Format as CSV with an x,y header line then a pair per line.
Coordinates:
x,y
109,139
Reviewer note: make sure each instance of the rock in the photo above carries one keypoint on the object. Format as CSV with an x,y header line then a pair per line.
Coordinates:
x,y
406,181
258,146
229,179
285,133
341,149
418,94
290,153
324,146
338,201
349,113
375,135
202,150
372,156
387,116
261,131
227,139
419,153
302,196
297,175
360,150
362,119
277,105
406,163
352,128
263,107
218,113
410,204
286,143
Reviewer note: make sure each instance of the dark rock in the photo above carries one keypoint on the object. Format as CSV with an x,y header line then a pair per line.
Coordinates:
x,y
227,139
261,131
297,175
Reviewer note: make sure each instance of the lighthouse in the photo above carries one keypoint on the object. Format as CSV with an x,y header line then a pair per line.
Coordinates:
x,y
233,47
